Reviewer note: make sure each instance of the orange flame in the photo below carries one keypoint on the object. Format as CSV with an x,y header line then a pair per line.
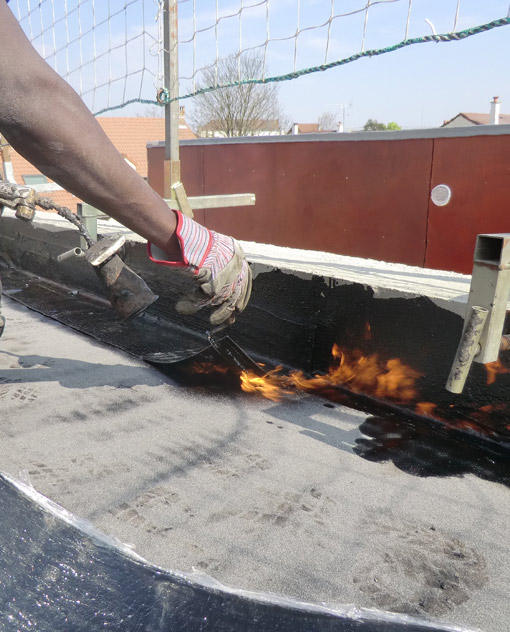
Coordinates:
x,y
272,385
371,375
365,374
494,369
425,408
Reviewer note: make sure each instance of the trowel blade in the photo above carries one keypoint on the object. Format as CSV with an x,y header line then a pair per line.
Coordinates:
x,y
234,354
173,357
220,345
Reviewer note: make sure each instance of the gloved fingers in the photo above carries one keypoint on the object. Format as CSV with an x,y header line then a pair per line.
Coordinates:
x,y
227,292
236,302
197,299
192,302
222,308
226,309
221,313
186,308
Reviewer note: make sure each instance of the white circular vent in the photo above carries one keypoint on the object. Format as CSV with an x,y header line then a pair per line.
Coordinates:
x,y
441,194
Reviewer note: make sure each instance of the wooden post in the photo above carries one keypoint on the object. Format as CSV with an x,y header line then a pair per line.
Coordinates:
x,y
172,169
7,172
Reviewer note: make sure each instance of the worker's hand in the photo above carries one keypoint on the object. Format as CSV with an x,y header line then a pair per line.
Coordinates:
x,y
218,265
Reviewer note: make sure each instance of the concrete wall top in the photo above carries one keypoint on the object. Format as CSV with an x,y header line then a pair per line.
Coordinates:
x,y
448,290
408,134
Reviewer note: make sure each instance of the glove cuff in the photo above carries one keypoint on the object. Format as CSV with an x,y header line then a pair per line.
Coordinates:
x,y
195,242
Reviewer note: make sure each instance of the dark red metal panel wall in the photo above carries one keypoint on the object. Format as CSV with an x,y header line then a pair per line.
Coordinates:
x,y
364,199
477,170
361,198
326,196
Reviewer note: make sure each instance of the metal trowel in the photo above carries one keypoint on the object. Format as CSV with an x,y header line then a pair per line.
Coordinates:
x,y
221,343
174,357
230,351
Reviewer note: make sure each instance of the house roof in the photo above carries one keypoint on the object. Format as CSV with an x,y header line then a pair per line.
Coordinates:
x,y
478,118
308,128
130,136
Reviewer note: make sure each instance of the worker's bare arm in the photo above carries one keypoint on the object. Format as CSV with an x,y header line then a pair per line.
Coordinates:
x,y
48,124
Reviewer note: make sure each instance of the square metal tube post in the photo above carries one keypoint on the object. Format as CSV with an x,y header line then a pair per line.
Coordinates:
x,y
486,309
89,216
172,165
490,288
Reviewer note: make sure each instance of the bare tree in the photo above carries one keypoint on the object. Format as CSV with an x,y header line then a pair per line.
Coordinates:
x,y
327,122
243,110
152,111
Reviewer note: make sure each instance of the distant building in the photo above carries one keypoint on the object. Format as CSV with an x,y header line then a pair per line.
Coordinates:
x,y
130,136
312,128
466,119
215,129
304,128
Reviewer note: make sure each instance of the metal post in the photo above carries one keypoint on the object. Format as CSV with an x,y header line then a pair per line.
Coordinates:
x,y
486,309
8,173
490,288
468,348
89,215
172,172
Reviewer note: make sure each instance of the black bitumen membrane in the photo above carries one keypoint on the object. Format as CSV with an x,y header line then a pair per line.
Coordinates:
x,y
93,316
426,445
57,576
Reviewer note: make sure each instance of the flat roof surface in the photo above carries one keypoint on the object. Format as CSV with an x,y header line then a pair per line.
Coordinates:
x,y
302,498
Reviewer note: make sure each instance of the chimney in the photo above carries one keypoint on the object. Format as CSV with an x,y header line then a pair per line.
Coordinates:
x,y
340,127
295,128
495,108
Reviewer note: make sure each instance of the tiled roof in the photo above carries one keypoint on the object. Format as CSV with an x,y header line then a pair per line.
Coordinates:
x,y
22,167
308,128
130,136
479,118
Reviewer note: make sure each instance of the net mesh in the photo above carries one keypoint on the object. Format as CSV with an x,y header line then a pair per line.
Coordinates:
x,y
106,49
111,51
296,37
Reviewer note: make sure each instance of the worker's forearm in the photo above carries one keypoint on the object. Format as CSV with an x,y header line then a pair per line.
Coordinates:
x,y
86,163
48,124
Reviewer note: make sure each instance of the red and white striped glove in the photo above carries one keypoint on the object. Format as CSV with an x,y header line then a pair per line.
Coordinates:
x,y
216,262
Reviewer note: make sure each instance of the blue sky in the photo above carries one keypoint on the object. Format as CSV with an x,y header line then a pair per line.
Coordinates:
x,y
418,86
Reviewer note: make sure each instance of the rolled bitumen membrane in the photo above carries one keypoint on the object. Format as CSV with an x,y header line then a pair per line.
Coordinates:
x,y
58,573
